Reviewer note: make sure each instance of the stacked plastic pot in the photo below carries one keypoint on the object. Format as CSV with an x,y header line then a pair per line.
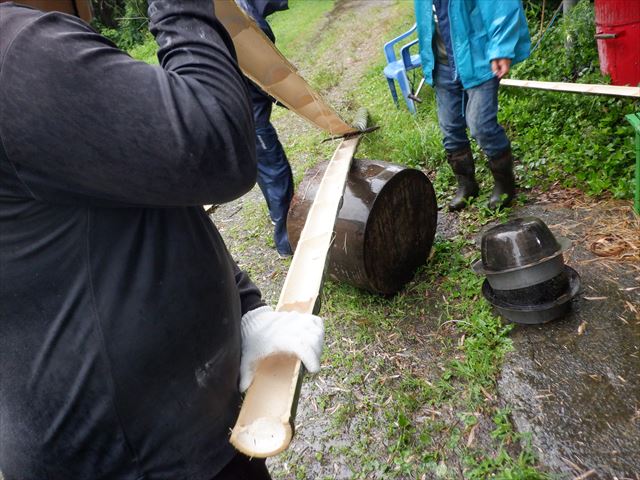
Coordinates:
x,y
527,280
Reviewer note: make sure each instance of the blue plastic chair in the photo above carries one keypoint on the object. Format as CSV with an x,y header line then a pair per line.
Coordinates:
x,y
396,69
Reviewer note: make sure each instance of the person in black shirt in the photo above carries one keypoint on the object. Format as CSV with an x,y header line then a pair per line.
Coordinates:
x,y
125,325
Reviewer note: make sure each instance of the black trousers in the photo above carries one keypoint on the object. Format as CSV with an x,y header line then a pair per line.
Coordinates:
x,y
242,467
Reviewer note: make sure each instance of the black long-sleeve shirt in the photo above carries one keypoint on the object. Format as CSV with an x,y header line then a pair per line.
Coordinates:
x,y
119,303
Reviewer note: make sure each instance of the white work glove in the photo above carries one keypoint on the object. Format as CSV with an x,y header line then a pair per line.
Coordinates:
x,y
265,332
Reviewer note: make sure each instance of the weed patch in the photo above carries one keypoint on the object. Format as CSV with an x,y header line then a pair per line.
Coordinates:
x,y
575,140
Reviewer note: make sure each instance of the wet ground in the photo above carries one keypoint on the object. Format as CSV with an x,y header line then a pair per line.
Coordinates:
x,y
574,383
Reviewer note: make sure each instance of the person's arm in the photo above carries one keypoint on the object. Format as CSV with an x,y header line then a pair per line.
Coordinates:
x,y
502,24
250,296
83,121
265,332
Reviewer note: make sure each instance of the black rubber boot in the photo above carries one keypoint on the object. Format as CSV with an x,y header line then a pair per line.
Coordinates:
x,y
461,162
505,183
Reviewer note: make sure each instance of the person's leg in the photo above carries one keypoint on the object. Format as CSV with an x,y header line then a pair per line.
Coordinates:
x,y
274,172
276,182
450,100
242,467
482,117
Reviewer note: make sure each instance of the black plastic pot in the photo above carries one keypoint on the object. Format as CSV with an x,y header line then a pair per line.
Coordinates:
x,y
524,276
520,253
535,313
518,243
539,293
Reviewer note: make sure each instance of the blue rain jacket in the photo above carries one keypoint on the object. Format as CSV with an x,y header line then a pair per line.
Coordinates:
x,y
481,31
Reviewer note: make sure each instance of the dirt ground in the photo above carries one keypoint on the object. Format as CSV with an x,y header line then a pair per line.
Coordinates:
x,y
574,384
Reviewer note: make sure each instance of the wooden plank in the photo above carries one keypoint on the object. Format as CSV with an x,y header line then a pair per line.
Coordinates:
x,y
595,89
265,424
261,61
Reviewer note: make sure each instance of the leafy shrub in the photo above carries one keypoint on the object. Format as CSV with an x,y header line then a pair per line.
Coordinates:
x,y
129,17
574,139
146,51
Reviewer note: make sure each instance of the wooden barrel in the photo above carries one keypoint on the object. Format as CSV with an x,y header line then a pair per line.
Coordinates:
x,y
385,226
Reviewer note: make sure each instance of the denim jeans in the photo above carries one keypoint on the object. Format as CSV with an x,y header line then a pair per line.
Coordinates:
x,y
274,172
476,108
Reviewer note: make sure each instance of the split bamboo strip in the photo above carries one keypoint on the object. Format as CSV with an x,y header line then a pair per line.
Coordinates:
x,y
261,61
265,425
595,89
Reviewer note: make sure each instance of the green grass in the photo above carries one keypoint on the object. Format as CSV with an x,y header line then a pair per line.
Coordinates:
x,y
415,446
573,140
296,26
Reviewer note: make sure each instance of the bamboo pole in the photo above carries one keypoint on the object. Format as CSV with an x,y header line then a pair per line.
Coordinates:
x,y
595,89
265,424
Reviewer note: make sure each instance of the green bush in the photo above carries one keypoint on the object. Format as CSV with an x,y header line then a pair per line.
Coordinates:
x,y
146,51
574,139
130,18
